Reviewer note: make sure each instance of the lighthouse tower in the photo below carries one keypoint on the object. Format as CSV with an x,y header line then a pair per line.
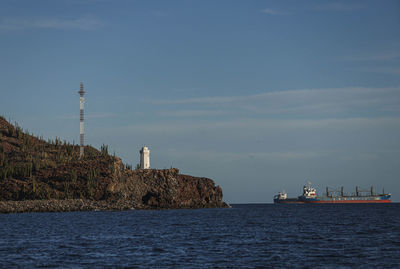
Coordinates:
x,y
145,158
82,129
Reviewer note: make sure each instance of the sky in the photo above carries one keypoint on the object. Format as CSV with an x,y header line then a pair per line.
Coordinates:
x,y
260,96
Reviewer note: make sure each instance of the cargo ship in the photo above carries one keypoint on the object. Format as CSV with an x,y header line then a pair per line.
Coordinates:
x,y
310,196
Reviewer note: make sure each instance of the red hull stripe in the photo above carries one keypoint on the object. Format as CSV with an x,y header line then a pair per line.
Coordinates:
x,y
338,202
350,201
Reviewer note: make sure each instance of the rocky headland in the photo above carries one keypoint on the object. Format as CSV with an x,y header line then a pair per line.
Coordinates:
x,y
49,176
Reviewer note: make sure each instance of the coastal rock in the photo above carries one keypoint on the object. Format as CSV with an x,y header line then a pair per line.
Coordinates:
x,y
39,176
168,189
66,205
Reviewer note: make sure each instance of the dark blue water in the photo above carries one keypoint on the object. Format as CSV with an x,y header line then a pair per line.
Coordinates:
x,y
322,236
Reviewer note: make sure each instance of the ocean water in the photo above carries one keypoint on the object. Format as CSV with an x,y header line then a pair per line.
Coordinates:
x,y
244,236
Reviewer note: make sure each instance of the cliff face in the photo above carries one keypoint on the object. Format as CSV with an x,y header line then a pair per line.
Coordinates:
x,y
33,169
166,189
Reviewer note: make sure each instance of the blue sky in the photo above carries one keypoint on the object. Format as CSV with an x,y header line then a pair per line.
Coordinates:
x,y
257,95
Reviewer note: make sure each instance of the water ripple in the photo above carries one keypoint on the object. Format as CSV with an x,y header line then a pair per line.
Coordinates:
x,y
245,236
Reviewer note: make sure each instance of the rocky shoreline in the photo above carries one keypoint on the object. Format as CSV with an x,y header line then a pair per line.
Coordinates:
x,y
60,206
40,176
70,205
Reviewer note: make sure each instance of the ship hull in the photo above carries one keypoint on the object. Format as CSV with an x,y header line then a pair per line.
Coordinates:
x,y
350,202
330,201
334,202
288,201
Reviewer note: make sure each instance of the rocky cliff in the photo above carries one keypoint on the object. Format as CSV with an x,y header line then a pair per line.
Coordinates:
x,y
166,189
38,175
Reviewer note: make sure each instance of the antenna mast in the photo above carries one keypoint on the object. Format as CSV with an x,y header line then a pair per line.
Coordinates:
x,y
82,129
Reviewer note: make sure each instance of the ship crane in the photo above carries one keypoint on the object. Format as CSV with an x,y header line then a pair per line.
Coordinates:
x,y
365,192
338,192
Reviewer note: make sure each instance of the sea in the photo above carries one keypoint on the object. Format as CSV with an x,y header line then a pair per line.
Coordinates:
x,y
244,236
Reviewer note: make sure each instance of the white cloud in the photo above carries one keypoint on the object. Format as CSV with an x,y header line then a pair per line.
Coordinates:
x,y
10,24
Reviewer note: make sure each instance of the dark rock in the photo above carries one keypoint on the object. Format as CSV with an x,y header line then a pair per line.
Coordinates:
x,y
40,176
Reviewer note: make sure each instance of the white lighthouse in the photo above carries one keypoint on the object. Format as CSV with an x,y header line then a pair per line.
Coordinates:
x,y
145,158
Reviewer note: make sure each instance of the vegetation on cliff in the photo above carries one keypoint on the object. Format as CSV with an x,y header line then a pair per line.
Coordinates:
x,y
34,169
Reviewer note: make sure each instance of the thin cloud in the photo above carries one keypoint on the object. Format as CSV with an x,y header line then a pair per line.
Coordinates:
x,y
276,155
379,56
198,100
380,70
339,7
286,155
307,102
239,126
359,157
237,156
271,11
86,24
192,113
